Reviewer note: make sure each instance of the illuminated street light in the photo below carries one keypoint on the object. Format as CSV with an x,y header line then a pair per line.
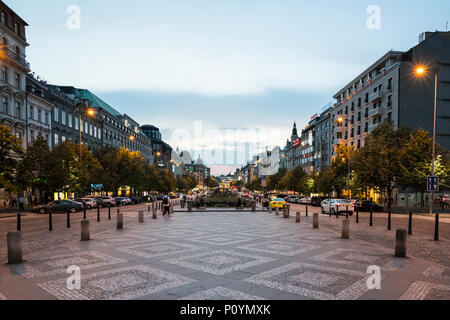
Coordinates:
x,y
90,112
340,119
132,138
420,70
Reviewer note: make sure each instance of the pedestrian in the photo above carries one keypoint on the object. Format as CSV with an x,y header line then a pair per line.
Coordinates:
x,y
21,203
166,206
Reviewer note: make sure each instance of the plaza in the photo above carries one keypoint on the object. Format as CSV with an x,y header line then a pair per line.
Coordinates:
x,y
221,255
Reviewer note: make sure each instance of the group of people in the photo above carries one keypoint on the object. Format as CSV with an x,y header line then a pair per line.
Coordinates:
x,y
17,202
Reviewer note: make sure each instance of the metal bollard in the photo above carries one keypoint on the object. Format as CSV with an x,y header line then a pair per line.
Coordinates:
x,y
50,221
316,221
306,210
98,214
357,214
346,229
277,211
14,244
155,215
84,213
109,213
68,219
410,223
189,206
85,232
371,218
19,222
253,205
297,217
148,209
389,220
329,209
286,213
346,212
141,216
119,221
436,227
400,243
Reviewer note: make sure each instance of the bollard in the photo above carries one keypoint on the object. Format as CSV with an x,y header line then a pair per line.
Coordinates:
x,y
346,212
389,219
277,211
306,210
171,208
189,206
50,221
85,233
337,213
14,244
410,223
371,218
400,243
119,221
297,217
84,213
253,205
155,215
286,213
346,229
109,213
288,206
182,204
357,214
141,216
316,221
148,209
436,227
329,209
68,219
98,214
19,222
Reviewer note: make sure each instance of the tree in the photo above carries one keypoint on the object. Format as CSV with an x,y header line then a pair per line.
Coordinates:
x,y
339,168
35,168
10,150
296,180
211,182
274,180
416,162
109,175
382,158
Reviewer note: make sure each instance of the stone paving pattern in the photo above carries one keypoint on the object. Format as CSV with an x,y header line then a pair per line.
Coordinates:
x,y
218,255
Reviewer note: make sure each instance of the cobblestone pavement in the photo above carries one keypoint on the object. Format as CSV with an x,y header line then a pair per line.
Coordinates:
x,y
421,243
214,255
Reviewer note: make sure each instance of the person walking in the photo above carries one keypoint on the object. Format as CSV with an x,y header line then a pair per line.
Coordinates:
x,y
166,206
21,203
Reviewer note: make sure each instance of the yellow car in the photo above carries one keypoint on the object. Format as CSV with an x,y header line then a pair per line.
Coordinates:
x,y
277,203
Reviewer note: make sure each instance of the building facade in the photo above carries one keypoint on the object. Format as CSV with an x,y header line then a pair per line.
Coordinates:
x,y
161,151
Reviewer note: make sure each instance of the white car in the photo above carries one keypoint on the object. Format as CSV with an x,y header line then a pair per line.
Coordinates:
x,y
337,206
90,203
304,200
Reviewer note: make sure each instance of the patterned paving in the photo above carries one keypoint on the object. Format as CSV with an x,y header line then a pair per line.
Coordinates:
x,y
217,256
119,284
2,297
220,262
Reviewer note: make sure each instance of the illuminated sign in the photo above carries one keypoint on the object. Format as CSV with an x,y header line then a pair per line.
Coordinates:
x,y
296,142
313,117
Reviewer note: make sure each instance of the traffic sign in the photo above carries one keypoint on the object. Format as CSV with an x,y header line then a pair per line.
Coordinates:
x,y
432,184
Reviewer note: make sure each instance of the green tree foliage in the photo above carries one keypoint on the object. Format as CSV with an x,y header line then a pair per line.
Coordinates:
x,y
296,180
35,168
10,150
274,180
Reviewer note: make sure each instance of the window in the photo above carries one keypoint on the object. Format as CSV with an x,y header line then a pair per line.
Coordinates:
x,y
359,102
390,84
31,113
95,132
3,17
90,130
359,144
39,115
46,118
17,80
16,28
76,124
352,134
366,100
18,113
55,139
55,114
70,121
366,127
63,117
32,135
389,101
4,73
359,131
366,113
4,104
63,138
390,116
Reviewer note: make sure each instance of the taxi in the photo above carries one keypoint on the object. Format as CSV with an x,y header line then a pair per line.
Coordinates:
x,y
277,203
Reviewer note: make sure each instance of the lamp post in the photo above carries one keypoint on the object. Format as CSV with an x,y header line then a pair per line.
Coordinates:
x,y
340,120
422,71
131,138
89,112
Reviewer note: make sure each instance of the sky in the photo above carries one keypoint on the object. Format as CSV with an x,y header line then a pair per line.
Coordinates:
x,y
215,74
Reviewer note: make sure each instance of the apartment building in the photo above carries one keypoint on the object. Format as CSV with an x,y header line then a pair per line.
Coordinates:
x,y
390,90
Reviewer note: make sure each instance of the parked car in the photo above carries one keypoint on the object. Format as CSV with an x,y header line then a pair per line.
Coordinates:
x,y
105,201
291,199
127,201
277,203
89,203
317,201
160,197
136,200
337,206
368,205
59,206
304,200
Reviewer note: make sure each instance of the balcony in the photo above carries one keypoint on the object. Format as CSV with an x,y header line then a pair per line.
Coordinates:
x,y
373,127
374,97
337,129
338,141
375,112
12,55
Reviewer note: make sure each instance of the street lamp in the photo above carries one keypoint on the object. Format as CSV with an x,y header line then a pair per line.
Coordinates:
x,y
421,71
131,138
90,112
